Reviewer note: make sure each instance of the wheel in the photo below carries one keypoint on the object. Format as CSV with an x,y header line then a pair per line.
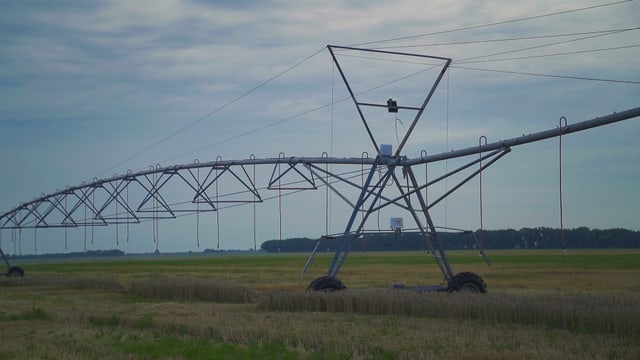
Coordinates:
x,y
15,271
326,284
467,282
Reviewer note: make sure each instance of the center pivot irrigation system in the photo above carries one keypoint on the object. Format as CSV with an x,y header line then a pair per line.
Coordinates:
x,y
388,179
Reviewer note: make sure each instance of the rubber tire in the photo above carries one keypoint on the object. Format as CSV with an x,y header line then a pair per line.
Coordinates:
x,y
15,271
326,284
467,282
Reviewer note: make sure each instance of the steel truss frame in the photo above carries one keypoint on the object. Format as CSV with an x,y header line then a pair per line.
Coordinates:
x,y
105,202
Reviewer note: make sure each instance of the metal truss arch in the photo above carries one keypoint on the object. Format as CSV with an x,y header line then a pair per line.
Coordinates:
x,y
168,192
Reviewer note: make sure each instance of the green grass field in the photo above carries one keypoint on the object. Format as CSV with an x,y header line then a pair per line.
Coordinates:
x,y
541,304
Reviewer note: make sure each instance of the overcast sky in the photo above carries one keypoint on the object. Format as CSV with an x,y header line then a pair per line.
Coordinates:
x,y
93,89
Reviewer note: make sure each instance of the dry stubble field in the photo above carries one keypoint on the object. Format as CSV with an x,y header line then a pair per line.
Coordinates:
x,y
541,304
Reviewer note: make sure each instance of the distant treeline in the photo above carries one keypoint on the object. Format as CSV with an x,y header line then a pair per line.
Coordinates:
x,y
525,238
88,253
101,253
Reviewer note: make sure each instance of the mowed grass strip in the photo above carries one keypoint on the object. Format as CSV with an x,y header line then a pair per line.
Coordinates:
x,y
188,288
585,271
